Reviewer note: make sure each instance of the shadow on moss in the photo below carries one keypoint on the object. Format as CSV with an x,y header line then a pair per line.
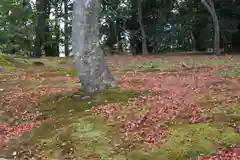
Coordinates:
x,y
62,72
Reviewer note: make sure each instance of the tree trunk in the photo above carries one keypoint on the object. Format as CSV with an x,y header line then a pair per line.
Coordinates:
x,y
112,34
143,34
88,56
118,27
48,47
193,42
40,29
211,9
56,43
66,32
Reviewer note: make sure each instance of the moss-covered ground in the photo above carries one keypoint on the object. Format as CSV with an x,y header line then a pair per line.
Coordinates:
x,y
162,110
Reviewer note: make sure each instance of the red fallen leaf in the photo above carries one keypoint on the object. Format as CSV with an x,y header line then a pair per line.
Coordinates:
x,y
16,131
15,101
174,95
225,154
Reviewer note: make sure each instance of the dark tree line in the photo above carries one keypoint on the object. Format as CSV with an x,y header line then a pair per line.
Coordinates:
x,y
152,26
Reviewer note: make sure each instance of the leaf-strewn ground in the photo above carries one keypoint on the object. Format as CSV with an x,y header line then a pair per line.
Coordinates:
x,y
166,108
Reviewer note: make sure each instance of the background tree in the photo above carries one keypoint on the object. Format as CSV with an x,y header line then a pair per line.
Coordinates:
x,y
41,6
209,4
143,34
16,27
44,28
66,28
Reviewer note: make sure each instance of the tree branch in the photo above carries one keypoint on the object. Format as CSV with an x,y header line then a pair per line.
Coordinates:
x,y
208,6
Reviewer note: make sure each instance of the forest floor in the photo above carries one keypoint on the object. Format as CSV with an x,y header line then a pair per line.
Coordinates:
x,y
166,108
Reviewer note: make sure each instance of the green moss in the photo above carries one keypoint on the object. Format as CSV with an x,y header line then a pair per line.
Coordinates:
x,y
70,72
187,141
233,72
4,116
13,63
4,61
218,112
74,127
151,70
190,140
64,60
76,103
229,116
146,65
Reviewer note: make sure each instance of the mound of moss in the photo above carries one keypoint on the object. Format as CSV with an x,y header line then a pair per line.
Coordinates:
x,y
11,63
87,136
233,71
74,128
5,62
188,141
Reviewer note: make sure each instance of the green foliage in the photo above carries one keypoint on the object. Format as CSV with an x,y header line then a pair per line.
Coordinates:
x,y
191,24
17,28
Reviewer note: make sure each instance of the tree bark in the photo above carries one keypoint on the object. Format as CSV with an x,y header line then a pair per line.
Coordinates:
x,y
56,43
211,9
143,34
89,59
48,46
40,29
193,42
66,31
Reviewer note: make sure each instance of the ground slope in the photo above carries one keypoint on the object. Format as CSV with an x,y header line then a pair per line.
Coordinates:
x,y
172,108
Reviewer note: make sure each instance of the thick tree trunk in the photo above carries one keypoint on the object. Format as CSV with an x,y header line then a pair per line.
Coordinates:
x,y
66,32
88,56
143,34
211,9
112,34
50,48
40,29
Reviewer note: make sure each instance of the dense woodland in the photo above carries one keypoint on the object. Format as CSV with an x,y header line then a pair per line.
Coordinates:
x,y
152,26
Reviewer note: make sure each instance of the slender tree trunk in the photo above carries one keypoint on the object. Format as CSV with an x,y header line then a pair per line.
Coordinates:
x,y
143,34
193,42
118,27
66,32
211,9
57,40
88,56
225,43
56,43
40,29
